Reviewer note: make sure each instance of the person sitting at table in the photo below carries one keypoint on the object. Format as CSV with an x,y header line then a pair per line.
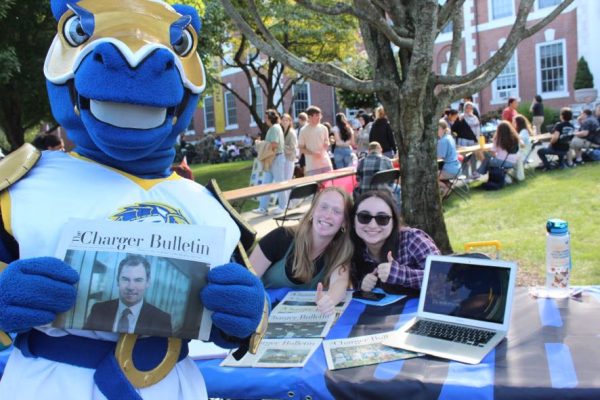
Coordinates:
x,y
368,166
505,150
446,151
525,131
315,254
562,134
386,252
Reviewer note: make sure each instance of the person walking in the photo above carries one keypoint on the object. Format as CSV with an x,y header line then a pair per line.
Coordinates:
x,y
537,112
382,133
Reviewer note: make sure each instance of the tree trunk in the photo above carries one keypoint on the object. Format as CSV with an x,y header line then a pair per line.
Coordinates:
x,y
415,129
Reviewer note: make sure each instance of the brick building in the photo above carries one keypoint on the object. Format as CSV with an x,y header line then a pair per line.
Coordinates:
x,y
544,64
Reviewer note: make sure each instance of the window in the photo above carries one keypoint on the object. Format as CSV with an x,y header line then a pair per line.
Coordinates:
x,y
501,8
300,98
552,68
548,3
230,111
209,113
507,83
259,102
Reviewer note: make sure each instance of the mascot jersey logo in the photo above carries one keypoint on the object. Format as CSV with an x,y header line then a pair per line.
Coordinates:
x,y
150,212
124,79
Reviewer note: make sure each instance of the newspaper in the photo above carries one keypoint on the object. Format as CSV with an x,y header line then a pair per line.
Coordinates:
x,y
362,350
304,301
277,353
140,278
299,325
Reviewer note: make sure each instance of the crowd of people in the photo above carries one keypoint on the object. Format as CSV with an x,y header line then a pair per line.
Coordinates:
x,y
315,147
512,141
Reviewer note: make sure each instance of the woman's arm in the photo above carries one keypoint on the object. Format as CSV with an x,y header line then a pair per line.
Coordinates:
x,y
259,261
338,284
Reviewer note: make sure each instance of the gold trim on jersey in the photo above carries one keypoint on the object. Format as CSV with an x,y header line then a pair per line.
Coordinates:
x,y
145,184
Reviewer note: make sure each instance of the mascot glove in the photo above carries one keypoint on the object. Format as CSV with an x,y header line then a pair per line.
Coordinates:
x,y
33,291
236,297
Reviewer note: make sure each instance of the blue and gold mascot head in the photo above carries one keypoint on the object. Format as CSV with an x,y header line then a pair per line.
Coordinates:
x,y
123,79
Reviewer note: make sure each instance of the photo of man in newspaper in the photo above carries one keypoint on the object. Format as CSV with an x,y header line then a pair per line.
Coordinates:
x,y
132,293
130,313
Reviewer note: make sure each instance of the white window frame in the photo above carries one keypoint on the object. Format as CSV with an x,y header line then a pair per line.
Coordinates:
x,y
496,98
208,129
308,101
259,94
538,70
491,11
228,125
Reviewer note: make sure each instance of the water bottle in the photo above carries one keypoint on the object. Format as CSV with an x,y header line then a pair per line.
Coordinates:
x,y
558,255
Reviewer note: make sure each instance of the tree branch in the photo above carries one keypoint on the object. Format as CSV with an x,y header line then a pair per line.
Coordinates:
x,y
457,29
325,73
447,10
377,19
501,57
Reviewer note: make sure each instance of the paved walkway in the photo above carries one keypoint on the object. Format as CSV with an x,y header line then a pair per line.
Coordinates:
x,y
264,224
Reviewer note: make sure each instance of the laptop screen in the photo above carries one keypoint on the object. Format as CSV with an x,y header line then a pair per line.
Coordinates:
x,y
470,291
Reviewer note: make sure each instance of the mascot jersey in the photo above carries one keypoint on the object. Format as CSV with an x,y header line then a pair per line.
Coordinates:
x,y
100,193
123,79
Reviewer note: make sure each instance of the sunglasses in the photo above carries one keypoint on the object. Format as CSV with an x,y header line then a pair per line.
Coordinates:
x,y
365,218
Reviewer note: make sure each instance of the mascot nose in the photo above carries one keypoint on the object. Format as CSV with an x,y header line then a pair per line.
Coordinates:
x,y
158,61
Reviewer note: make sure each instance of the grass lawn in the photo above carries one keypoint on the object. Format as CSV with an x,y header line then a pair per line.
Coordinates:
x,y
515,215
229,176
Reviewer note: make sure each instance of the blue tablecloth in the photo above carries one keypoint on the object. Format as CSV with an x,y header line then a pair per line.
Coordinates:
x,y
552,352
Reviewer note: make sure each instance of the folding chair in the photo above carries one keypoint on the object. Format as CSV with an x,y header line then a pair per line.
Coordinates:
x,y
298,192
383,177
458,184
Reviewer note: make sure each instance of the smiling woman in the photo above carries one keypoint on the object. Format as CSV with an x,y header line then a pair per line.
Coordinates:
x,y
316,252
387,253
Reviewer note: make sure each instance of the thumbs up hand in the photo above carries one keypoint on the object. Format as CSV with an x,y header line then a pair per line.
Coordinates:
x,y
383,269
324,303
369,281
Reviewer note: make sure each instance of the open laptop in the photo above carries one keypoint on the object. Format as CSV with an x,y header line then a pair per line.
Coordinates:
x,y
464,309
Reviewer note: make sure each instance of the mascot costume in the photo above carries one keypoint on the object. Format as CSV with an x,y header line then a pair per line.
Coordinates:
x,y
123,79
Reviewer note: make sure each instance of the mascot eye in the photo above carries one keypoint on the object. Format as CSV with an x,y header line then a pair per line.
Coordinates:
x,y
73,31
184,44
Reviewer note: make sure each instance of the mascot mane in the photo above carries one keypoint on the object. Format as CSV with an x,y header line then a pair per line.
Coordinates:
x,y
124,80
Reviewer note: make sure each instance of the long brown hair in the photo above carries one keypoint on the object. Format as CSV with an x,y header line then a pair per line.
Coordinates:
x,y
506,137
523,123
337,253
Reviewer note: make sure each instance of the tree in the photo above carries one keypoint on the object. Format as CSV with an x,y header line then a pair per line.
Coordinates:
x,y
399,38
26,31
320,37
583,76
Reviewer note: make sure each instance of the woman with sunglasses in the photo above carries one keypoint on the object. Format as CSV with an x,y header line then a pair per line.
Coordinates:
x,y
386,253
314,255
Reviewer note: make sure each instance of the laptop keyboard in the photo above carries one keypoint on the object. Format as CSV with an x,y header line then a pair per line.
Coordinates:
x,y
452,333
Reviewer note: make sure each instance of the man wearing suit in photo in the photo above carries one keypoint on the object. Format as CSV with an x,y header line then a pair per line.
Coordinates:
x,y
130,313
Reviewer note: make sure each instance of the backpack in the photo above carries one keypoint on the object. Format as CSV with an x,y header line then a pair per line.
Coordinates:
x,y
591,155
496,176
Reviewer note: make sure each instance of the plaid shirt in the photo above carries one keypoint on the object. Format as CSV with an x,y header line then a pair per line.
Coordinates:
x,y
409,262
368,166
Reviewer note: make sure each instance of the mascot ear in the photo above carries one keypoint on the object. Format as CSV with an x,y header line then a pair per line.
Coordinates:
x,y
59,7
192,12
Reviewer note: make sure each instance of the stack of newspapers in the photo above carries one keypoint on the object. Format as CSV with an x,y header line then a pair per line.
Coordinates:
x,y
296,329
